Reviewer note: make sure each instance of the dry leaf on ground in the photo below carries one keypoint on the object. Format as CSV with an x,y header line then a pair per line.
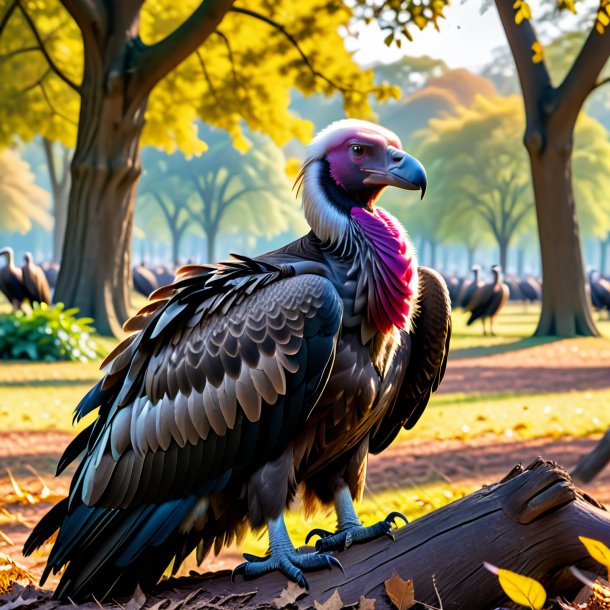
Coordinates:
x,y
400,592
366,603
11,572
334,602
138,599
289,595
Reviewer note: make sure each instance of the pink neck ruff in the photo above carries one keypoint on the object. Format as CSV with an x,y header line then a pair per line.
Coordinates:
x,y
392,289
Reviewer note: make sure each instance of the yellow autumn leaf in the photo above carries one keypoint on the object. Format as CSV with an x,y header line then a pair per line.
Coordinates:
x,y
537,52
521,589
598,550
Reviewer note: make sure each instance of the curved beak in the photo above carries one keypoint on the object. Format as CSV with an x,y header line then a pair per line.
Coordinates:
x,y
402,171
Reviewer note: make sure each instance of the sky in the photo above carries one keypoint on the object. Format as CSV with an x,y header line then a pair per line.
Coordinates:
x,y
466,39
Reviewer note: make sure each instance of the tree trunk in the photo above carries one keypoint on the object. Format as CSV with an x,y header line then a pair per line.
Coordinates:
x,y
60,187
433,252
95,274
470,250
529,523
592,464
521,262
503,254
175,247
566,310
604,246
211,236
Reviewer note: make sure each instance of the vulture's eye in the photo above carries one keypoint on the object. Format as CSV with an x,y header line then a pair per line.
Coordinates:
x,y
357,150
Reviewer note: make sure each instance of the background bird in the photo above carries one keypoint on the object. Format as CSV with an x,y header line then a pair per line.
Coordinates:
x,y
469,287
600,291
24,283
35,281
144,280
488,300
249,378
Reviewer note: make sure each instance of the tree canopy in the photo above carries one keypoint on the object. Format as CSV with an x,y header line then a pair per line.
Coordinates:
x,y
22,202
223,191
479,179
244,71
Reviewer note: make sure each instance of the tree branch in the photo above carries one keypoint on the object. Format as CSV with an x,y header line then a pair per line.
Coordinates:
x,y
582,76
47,145
7,15
53,110
90,17
44,51
601,82
156,61
295,43
534,77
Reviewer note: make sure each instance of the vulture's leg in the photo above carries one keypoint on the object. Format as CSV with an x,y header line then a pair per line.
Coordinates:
x,y
284,557
349,527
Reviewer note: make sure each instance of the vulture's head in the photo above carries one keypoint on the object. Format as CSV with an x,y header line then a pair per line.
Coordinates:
x,y
347,166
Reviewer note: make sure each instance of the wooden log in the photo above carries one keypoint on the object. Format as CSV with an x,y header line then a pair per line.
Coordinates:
x,y
529,523
590,465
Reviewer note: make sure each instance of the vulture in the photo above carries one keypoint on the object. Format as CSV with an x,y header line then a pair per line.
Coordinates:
x,y
25,283
144,280
488,300
470,287
35,281
11,280
248,379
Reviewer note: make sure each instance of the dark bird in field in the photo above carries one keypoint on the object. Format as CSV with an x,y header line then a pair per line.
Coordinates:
x,y
144,280
469,288
488,300
35,281
11,280
600,291
25,283
530,289
51,271
249,378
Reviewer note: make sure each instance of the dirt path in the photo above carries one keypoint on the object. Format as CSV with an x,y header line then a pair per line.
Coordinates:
x,y
554,367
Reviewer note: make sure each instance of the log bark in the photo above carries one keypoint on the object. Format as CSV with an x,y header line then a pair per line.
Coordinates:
x,y
593,463
529,523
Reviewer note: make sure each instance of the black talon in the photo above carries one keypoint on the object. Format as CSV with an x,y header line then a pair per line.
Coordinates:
x,y
240,569
317,532
334,561
391,518
255,558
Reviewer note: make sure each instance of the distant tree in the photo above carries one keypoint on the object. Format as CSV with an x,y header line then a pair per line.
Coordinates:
x,y
94,73
164,198
22,202
438,96
477,172
551,113
479,176
225,191
58,158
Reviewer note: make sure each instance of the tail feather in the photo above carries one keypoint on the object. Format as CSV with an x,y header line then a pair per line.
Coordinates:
x,y
109,551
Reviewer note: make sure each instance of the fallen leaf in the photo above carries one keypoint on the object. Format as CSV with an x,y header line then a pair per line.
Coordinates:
x,y
138,599
11,572
400,592
598,550
366,604
334,602
521,589
289,595
19,603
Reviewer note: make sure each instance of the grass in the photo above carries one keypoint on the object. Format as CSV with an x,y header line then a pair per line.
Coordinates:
x,y
513,416
41,396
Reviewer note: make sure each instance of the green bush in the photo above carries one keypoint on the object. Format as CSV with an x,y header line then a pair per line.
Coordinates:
x,y
48,334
